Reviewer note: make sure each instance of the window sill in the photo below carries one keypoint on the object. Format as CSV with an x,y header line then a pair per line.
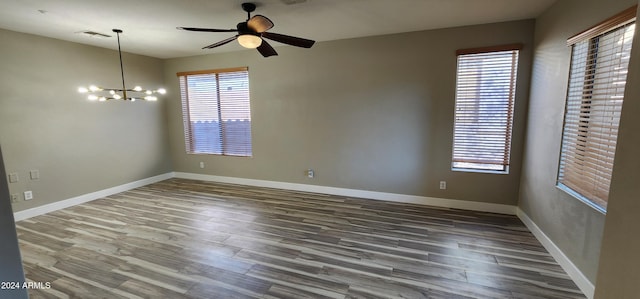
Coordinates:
x,y
480,170
581,198
219,155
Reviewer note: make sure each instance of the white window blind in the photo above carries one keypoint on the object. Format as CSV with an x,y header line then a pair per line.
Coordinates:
x,y
216,111
595,96
485,92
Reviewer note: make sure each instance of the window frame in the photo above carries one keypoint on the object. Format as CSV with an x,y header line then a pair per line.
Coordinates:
x,y
588,85
241,149
515,50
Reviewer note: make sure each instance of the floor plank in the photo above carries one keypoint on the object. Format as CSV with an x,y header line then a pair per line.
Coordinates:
x,y
192,239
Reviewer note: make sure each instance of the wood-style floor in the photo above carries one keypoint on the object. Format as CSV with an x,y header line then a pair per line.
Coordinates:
x,y
192,239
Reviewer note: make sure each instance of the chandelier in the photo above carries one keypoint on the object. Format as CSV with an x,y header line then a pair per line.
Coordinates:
x,y
97,93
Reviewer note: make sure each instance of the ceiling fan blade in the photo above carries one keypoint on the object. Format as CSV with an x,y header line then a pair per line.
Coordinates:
x,y
266,49
206,29
289,40
222,42
259,23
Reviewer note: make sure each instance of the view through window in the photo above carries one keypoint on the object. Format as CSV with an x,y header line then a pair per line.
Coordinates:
x,y
216,112
485,95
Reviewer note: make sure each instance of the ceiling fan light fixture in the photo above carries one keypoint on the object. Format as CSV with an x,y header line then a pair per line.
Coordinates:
x,y
249,41
253,33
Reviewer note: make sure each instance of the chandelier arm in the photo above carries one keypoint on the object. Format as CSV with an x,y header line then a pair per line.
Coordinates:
x,y
124,89
138,93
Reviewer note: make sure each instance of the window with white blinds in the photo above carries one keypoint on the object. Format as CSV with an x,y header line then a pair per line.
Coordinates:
x,y
485,92
216,111
595,95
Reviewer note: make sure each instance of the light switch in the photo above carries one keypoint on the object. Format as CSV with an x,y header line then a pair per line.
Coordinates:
x,y
35,174
13,177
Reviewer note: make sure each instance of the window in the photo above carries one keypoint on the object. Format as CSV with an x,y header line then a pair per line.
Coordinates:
x,y
216,111
485,92
597,79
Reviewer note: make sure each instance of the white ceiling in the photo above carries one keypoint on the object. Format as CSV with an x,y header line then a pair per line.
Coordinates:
x,y
150,25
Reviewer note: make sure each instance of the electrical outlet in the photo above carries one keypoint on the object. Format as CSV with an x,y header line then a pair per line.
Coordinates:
x,y
310,173
14,198
28,195
201,164
443,185
35,174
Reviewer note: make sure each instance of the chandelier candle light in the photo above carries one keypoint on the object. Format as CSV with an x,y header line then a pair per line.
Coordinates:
x,y
101,94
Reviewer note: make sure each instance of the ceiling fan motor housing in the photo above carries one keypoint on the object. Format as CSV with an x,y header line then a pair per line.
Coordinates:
x,y
243,28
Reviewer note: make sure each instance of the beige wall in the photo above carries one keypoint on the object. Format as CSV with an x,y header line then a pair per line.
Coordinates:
x,y
571,224
619,271
371,113
78,146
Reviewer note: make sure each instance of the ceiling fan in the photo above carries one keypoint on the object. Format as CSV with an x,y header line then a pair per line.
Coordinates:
x,y
252,32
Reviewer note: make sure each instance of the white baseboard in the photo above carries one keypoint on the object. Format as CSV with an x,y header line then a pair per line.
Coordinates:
x,y
576,275
28,213
431,201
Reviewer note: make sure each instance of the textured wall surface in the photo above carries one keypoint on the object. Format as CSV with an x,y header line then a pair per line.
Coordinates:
x,y
572,225
78,146
619,271
372,113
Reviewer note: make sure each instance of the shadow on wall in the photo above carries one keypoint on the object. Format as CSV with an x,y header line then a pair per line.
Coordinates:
x,y
10,259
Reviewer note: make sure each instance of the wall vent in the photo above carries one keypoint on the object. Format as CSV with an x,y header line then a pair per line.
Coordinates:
x,y
291,2
90,33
